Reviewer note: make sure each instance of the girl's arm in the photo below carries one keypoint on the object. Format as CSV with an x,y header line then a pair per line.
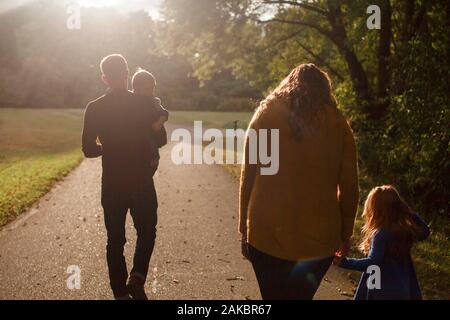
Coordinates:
x,y
375,257
424,229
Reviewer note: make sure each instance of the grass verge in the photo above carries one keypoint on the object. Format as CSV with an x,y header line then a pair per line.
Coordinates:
x,y
37,148
212,119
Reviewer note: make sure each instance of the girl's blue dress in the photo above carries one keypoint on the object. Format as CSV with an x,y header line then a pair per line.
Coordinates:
x,y
398,277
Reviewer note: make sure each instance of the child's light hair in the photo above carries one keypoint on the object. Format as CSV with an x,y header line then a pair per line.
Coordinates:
x,y
141,77
384,208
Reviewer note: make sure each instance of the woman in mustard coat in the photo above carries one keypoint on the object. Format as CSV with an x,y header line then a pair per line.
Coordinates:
x,y
294,221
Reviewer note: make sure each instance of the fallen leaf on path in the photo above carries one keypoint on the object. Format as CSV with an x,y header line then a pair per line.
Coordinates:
x,y
237,278
347,294
223,260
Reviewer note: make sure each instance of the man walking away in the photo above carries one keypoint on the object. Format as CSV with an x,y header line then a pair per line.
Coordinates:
x,y
117,127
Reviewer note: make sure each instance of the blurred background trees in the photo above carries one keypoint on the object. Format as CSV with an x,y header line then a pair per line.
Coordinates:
x,y
392,83
45,65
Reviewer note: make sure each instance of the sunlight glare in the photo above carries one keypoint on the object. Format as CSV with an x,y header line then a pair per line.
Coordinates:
x,y
8,5
150,6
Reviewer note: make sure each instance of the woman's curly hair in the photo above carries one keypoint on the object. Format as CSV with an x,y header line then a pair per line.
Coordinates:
x,y
308,90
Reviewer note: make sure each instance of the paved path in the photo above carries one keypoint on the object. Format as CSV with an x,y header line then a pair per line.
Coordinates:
x,y
197,254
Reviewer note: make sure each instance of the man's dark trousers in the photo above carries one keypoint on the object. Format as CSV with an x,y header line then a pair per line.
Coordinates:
x,y
142,203
121,122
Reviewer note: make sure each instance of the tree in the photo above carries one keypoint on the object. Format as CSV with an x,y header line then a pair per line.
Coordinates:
x,y
384,78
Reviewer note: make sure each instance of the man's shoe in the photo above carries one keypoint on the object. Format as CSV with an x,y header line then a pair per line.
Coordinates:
x,y
125,297
136,289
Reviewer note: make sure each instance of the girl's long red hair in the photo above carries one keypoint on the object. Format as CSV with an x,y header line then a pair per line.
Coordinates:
x,y
385,209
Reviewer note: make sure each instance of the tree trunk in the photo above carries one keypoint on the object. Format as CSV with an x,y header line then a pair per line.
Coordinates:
x,y
358,75
384,53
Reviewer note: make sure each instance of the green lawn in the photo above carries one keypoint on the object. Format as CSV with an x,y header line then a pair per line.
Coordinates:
x,y
212,119
432,258
37,147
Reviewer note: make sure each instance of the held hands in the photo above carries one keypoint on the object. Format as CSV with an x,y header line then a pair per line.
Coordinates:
x,y
341,253
338,256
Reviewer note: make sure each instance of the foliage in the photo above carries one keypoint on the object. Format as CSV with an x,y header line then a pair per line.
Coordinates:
x,y
392,83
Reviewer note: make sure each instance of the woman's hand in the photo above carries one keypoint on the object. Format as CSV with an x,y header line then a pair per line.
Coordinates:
x,y
341,253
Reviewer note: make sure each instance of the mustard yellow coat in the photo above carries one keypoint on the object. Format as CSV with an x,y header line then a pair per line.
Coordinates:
x,y
308,208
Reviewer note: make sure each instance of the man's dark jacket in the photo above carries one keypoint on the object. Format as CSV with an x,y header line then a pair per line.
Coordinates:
x,y
117,126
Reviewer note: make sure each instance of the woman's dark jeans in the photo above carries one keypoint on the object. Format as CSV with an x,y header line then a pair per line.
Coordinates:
x,y
287,280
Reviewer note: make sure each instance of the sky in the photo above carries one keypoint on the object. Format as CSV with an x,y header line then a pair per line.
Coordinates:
x,y
151,6
6,5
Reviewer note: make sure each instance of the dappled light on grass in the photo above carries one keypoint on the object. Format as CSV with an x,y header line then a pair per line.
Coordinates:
x,y
38,148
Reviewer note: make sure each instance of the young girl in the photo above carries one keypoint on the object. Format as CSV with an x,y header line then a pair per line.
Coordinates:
x,y
390,230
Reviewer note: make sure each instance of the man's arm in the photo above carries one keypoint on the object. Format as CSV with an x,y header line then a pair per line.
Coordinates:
x,y
89,136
